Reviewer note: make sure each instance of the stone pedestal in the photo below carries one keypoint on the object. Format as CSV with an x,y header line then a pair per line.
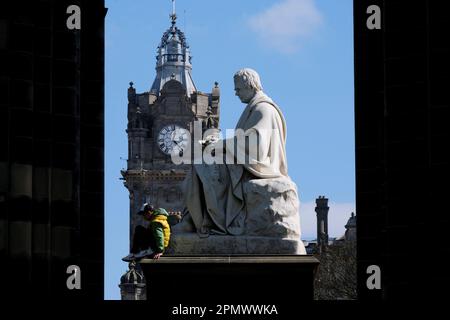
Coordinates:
x,y
283,280
192,244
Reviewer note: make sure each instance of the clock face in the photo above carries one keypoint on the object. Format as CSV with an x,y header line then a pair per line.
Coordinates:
x,y
173,138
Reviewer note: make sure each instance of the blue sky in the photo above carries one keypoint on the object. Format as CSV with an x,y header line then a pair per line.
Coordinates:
x,y
303,51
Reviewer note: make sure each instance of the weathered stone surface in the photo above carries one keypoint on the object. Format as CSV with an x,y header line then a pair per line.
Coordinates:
x,y
274,208
271,227
191,243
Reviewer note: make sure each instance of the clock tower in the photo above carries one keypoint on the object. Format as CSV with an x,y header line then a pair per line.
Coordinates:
x,y
161,121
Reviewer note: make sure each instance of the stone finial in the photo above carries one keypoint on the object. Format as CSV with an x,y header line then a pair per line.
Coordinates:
x,y
131,93
215,92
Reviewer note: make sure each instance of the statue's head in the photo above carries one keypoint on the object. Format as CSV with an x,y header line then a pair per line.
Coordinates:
x,y
246,84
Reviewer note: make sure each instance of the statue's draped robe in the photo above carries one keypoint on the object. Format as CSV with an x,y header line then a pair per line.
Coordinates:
x,y
214,193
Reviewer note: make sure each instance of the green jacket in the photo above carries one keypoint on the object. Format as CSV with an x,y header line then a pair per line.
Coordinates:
x,y
160,230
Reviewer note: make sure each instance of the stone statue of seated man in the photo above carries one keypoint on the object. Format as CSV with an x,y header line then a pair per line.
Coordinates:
x,y
248,204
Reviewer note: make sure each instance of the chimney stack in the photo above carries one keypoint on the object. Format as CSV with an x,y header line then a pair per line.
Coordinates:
x,y
322,221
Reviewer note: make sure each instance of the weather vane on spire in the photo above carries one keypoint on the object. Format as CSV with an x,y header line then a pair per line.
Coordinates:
x,y
173,15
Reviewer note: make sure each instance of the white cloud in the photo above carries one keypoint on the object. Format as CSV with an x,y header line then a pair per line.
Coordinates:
x,y
338,216
284,25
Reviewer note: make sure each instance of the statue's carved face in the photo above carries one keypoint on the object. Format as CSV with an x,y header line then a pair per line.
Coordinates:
x,y
244,93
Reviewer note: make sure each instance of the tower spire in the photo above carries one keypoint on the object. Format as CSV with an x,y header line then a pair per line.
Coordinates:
x,y
174,59
173,16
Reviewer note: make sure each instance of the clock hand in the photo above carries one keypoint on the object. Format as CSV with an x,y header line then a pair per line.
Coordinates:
x,y
181,148
176,143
